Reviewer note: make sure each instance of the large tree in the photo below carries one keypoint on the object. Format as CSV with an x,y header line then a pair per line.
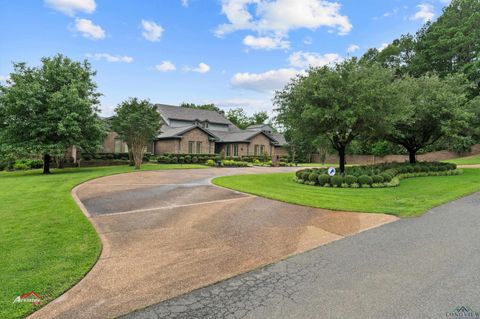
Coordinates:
x,y
449,45
337,103
46,109
428,108
238,117
137,122
209,107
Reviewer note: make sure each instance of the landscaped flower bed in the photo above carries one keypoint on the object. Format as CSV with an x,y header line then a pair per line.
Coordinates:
x,y
374,176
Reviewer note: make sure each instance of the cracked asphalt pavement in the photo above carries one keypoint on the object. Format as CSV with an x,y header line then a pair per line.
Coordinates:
x,y
414,268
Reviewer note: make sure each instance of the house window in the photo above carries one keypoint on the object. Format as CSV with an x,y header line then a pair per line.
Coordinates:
x,y
235,149
256,151
205,124
227,150
262,149
118,145
191,146
199,147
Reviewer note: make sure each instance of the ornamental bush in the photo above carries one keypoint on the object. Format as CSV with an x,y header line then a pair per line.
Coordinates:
x,y
211,163
365,180
386,177
313,177
337,180
377,179
379,175
323,179
350,179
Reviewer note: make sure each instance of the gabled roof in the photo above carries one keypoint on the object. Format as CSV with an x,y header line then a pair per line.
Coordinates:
x,y
259,127
280,139
189,114
241,136
168,132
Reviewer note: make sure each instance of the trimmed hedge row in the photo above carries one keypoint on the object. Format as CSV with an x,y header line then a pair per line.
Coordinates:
x,y
380,175
21,164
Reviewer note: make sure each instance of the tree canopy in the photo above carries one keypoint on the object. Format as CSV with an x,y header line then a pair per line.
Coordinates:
x,y
337,103
428,108
209,107
240,118
449,45
137,122
46,109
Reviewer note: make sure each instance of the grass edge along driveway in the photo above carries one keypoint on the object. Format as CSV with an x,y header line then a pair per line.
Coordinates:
x,y
47,243
413,197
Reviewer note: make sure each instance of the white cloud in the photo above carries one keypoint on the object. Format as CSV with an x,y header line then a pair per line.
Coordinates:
x,y
425,12
249,105
69,7
303,60
110,57
265,43
184,3
151,31
165,66
88,29
4,78
352,48
202,68
264,82
281,16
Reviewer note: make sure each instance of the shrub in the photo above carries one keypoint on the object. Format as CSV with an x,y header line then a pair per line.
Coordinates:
x,y
181,159
19,166
337,180
194,159
377,179
211,163
299,173
418,169
188,159
87,157
313,177
323,179
350,179
305,175
386,177
365,180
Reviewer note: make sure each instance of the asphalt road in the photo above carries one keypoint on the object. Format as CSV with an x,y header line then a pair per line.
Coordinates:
x,y
413,268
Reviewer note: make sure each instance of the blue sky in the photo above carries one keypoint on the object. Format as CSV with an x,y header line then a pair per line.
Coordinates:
x,y
229,52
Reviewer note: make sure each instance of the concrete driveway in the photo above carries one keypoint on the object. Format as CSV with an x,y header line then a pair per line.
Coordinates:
x,y
166,233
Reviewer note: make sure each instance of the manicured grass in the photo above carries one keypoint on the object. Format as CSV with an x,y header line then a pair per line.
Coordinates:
x,y
47,243
413,197
470,160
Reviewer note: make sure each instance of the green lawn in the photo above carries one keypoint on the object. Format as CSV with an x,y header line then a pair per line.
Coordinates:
x,y
413,197
470,160
47,243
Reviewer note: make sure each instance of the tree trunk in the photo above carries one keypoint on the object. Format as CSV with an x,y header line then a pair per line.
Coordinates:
x,y
137,153
341,154
46,164
412,156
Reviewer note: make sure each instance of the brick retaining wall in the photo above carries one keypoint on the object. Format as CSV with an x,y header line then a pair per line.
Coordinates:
x,y
371,159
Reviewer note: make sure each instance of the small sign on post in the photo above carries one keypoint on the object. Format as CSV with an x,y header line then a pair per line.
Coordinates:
x,y
332,171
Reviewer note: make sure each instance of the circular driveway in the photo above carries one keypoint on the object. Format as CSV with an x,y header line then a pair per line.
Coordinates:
x,y
166,233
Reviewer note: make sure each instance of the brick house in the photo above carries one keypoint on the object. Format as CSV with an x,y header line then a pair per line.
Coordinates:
x,y
195,131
